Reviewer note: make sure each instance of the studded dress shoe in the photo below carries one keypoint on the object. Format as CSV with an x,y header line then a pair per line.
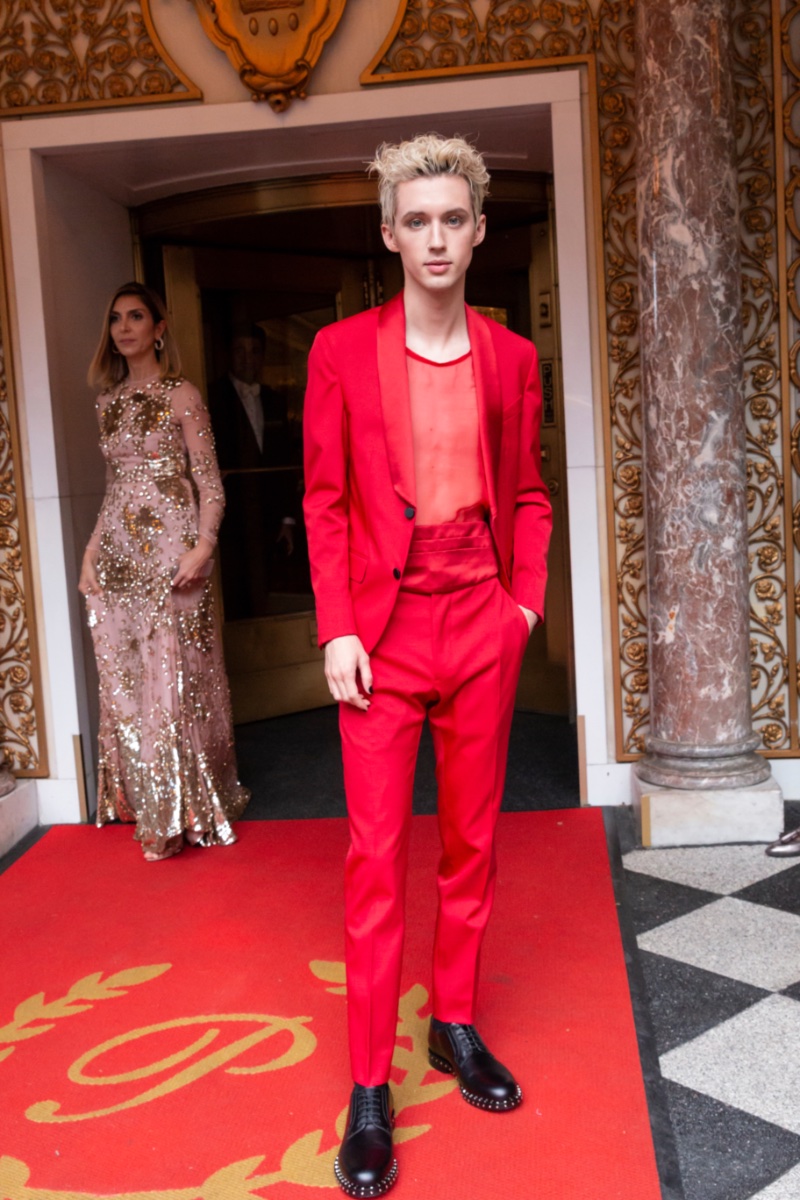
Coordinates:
x,y
484,1082
787,846
365,1165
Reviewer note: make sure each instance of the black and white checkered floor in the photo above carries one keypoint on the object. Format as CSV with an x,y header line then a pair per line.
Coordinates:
x,y
718,935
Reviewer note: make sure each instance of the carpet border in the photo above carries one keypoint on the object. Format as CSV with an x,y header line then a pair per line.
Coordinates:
x,y
23,846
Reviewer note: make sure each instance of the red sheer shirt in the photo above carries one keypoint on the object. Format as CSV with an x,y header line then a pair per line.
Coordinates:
x,y
444,425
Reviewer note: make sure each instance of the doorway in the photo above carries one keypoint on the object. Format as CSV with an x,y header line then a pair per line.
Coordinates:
x,y
250,276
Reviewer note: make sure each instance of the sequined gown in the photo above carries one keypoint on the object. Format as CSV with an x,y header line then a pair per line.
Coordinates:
x,y
166,755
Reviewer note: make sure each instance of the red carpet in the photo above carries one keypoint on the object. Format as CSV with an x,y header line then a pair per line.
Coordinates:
x,y
177,1030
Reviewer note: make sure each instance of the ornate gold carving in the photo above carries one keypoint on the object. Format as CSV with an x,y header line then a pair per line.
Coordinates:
x,y
440,36
786,33
20,740
273,44
59,55
766,436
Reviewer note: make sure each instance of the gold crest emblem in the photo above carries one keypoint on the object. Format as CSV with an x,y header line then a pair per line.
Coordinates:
x,y
273,44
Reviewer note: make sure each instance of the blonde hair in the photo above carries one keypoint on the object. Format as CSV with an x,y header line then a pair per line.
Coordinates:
x,y
428,154
109,367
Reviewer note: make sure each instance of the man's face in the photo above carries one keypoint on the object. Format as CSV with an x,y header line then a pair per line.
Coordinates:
x,y
434,231
247,359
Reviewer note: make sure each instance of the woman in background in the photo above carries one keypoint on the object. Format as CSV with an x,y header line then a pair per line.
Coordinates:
x,y
166,755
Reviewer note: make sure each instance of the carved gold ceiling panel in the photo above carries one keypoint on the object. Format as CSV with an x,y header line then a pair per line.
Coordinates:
x,y
437,38
60,55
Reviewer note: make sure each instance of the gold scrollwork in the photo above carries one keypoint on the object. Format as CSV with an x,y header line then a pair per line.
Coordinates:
x,y
58,55
753,83
19,680
787,30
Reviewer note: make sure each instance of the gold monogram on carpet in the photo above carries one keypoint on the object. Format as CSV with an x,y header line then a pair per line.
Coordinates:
x,y
304,1162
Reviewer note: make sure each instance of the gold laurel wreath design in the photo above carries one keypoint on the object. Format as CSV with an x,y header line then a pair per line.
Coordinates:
x,y
80,998
304,1163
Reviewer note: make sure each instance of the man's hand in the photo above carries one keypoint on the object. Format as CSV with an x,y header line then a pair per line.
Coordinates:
x,y
531,617
286,537
347,663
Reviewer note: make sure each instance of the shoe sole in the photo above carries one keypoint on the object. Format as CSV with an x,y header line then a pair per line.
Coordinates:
x,y
484,1102
361,1191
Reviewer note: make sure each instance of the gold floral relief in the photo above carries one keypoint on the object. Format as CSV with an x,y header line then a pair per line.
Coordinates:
x,y
58,55
19,681
787,34
766,440
438,38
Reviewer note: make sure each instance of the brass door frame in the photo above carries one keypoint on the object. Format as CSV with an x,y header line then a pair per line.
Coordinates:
x,y
175,215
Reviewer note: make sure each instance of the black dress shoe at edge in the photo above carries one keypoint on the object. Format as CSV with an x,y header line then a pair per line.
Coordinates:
x,y
366,1165
458,1050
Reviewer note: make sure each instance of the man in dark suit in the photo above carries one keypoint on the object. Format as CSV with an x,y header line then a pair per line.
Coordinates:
x,y
251,432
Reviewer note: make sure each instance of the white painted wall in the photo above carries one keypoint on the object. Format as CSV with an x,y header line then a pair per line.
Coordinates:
x,y
66,209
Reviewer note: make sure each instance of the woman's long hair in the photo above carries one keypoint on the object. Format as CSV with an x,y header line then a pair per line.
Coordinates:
x,y
109,367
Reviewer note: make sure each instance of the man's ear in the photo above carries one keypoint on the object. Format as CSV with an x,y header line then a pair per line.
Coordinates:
x,y
388,237
480,230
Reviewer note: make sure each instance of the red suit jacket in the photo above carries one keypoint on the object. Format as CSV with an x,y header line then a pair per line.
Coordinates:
x,y
359,466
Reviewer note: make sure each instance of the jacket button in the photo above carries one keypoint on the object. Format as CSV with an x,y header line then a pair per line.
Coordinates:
x,y
411,512
396,572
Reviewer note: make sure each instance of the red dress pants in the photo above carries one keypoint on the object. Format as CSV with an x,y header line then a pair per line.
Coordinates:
x,y
451,652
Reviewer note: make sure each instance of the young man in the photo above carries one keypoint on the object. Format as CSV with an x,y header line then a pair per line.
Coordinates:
x,y
428,525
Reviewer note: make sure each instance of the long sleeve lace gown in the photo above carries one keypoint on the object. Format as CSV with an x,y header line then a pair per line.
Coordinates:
x,y
166,754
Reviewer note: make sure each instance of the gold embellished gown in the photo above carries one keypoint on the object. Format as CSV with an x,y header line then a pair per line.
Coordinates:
x,y
166,755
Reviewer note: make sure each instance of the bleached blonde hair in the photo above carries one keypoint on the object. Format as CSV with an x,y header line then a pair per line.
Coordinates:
x,y
427,154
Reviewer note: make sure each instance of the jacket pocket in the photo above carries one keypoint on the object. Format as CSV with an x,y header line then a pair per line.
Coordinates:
x,y
358,566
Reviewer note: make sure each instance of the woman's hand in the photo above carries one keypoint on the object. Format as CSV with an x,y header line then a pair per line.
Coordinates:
x,y
87,583
191,565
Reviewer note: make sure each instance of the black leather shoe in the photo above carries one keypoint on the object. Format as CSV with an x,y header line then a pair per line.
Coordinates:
x,y
484,1082
366,1166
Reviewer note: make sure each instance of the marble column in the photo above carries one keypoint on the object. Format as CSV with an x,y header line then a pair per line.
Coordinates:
x,y
692,401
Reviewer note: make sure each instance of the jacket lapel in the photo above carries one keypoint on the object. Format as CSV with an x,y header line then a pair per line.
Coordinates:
x,y
393,381
490,401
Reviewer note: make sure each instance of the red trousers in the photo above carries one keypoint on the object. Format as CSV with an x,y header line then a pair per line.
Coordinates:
x,y
451,652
